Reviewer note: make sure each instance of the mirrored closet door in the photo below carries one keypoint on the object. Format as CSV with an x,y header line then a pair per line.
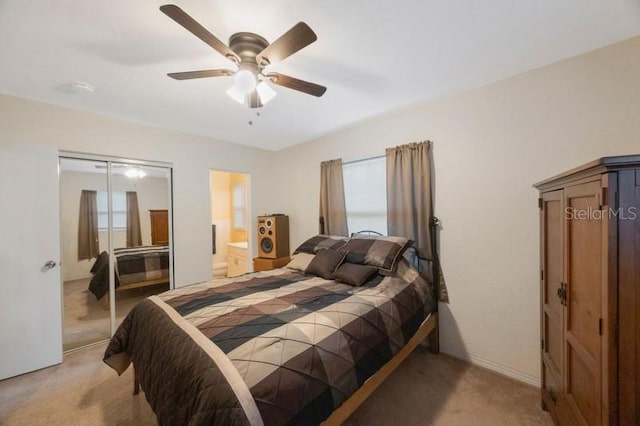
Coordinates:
x,y
141,201
116,243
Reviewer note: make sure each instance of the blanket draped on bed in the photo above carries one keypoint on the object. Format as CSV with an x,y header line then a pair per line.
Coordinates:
x,y
296,346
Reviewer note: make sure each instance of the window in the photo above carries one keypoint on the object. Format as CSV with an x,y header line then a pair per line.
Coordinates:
x,y
365,191
239,206
119,210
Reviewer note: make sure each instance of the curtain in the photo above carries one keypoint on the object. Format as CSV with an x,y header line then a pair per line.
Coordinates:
x,y
333,210
88,242
410,200
134,234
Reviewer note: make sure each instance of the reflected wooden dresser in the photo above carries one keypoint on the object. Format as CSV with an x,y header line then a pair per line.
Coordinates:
x,y
590,293
159,227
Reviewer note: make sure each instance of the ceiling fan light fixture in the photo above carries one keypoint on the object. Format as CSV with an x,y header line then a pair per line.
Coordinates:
x,y
134,173
236,94
265,92
245,81
251,54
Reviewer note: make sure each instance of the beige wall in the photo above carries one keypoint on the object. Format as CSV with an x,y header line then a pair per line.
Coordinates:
x,y
491,144
40,127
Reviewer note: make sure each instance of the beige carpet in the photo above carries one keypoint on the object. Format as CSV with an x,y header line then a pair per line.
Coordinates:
x,y
86,320
425,390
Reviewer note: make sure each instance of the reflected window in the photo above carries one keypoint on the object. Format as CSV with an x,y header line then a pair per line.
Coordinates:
x,y
119,210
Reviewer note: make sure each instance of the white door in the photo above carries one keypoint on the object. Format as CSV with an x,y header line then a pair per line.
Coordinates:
x,y
30,316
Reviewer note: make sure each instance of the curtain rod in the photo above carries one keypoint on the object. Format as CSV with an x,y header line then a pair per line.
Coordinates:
x,y
360,160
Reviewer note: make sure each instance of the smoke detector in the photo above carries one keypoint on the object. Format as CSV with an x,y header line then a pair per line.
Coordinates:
x,y
81,87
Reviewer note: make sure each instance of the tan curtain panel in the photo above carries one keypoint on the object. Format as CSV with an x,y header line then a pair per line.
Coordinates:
x,y
410,198
88,240
333,210
134,234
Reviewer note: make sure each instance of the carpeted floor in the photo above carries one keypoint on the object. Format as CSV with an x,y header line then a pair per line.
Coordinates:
x,y
425,390
86,320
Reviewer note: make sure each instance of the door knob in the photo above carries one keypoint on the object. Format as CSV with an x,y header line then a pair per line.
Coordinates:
x,y
50,264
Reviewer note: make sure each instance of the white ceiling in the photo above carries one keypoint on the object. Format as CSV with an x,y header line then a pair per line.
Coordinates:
x,y
374,56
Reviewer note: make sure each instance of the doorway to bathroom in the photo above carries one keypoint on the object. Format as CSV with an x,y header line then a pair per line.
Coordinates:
x,y
230,223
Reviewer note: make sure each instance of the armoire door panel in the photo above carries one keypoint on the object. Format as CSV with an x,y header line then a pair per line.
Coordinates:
x,y
583,305
553,338
584,299
552,387
583,395
552,264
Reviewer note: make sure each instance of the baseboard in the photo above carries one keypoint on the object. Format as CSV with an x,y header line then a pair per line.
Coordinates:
x,y
498,368
219,270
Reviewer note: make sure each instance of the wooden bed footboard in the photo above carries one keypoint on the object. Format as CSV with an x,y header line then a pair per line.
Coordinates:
x,y
137,284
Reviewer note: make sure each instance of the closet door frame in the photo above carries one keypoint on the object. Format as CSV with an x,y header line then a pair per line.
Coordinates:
x,y
109,160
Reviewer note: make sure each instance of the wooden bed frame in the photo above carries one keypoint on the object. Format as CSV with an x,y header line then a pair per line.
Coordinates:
x,y
428,328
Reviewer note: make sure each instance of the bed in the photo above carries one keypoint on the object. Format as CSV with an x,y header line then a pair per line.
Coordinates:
x,y
275,347
134,267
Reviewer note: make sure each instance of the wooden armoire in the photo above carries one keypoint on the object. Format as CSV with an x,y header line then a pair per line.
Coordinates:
x,y
590,293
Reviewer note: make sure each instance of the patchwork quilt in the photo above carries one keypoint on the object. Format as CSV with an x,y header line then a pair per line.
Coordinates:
x,y
275,347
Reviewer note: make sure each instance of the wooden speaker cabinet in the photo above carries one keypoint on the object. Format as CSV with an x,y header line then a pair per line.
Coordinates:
x,y
273,236
590,293
262,264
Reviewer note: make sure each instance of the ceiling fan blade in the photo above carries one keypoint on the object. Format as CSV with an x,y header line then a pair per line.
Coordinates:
x,y
253,100
188,75
191,25
296,84
289,43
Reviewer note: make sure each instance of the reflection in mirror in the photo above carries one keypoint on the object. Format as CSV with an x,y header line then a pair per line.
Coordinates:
x,y
140,198
86,317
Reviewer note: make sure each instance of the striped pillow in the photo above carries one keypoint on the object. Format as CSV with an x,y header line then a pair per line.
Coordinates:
x,y
381,252
319,242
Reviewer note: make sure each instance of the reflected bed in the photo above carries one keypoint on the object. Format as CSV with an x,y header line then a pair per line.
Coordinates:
x,y
135,267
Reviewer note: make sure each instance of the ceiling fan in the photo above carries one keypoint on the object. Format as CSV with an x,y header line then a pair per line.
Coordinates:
x,y
251,54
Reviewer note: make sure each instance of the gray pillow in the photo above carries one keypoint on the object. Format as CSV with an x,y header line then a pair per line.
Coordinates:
x,y
353,274
325,263
321,242
380,251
